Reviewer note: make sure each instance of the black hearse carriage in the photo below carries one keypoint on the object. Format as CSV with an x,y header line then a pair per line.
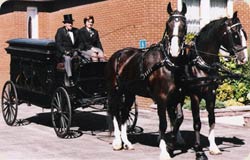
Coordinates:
x,y
37,78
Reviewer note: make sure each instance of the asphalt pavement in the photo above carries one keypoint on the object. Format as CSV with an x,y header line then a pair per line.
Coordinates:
x,y
33,138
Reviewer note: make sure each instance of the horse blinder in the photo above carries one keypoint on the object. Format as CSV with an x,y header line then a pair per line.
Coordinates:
x,y
233,36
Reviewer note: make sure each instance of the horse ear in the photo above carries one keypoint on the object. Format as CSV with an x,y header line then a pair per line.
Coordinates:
x,y
169,9
235,14
224,20
184,8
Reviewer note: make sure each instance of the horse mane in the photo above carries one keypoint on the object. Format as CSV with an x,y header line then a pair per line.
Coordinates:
x,y
210,28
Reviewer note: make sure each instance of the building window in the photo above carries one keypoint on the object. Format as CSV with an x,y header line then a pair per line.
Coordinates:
x,y
193,15
32,22
30,27
201,12
218,9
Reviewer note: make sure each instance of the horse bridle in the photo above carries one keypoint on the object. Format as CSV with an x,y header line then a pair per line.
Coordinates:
x,y
176,19
166,62
168,38
200,63
229,31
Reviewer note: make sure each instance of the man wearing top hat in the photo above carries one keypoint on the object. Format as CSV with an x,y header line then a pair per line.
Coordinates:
x,y
67,43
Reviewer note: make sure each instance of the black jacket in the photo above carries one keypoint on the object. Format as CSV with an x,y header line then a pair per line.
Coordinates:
x,y
63,41
87,41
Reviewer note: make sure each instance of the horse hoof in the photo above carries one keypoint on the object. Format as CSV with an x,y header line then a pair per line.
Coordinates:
x,y
165,156
117,145
117,148
201,156
171,152
128,147
215,152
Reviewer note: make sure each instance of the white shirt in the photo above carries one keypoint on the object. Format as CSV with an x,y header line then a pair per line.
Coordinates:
x,y
71,35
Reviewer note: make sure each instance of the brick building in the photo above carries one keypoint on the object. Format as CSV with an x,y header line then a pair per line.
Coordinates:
x,y
120,23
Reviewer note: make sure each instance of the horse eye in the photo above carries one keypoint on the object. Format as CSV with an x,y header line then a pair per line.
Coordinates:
x,y
236,36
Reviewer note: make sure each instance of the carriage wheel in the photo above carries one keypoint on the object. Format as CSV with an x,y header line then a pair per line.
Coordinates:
x,y
9,103
61,112
132,120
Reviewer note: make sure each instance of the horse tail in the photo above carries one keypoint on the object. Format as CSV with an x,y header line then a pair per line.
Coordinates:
x,y
112,83
119,100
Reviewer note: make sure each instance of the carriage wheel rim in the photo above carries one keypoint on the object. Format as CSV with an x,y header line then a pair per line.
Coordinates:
x,y
9,103
61,112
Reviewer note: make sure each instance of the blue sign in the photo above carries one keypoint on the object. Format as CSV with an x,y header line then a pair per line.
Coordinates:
x,y
142,43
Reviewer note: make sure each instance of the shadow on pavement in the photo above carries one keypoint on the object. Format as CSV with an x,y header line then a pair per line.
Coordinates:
x,y
152,139
83,121
93,122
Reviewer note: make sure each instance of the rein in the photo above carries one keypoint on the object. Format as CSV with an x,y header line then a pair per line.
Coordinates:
x,y
211,54
217,67
215,79
234,50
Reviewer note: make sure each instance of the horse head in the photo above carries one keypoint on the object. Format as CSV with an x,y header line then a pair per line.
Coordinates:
x,y
234,39
176,29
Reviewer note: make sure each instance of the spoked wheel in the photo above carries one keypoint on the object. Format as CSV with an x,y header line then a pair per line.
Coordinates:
x,y
133,114
61,112
9,103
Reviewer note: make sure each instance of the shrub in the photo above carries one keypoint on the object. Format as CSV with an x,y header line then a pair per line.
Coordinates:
x,y
218,104
237,89
233,102
189,37
225,92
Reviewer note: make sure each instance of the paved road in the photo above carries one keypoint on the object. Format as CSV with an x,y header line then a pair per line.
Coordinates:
x,y
36,139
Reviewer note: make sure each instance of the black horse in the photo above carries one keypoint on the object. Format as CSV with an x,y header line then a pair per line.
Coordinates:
x,y
203,76
146,72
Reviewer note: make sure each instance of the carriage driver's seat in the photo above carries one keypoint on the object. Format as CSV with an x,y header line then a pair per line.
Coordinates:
x,y
61,73
76,62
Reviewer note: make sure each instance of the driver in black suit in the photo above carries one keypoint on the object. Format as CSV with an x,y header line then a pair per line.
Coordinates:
x,y
67,43
90,43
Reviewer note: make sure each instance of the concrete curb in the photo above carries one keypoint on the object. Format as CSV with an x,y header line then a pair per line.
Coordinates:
x,y
235,115
228,111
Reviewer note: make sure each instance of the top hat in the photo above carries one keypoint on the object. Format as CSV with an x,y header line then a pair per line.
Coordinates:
x,y
68,18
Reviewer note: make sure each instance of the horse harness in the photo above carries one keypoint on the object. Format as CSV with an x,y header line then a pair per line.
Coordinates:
x,y
213,79
197,61
216,68
166,62
233,50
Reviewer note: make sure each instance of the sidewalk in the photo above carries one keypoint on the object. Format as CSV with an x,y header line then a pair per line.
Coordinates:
x,y
235,115
37,140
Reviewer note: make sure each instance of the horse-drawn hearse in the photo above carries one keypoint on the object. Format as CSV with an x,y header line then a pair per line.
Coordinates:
x,y
166,72
37,78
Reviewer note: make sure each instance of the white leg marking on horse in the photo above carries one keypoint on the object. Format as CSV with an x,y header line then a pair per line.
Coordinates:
x,y
213,148
164,154
127,144
117,142
244,43
174,48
